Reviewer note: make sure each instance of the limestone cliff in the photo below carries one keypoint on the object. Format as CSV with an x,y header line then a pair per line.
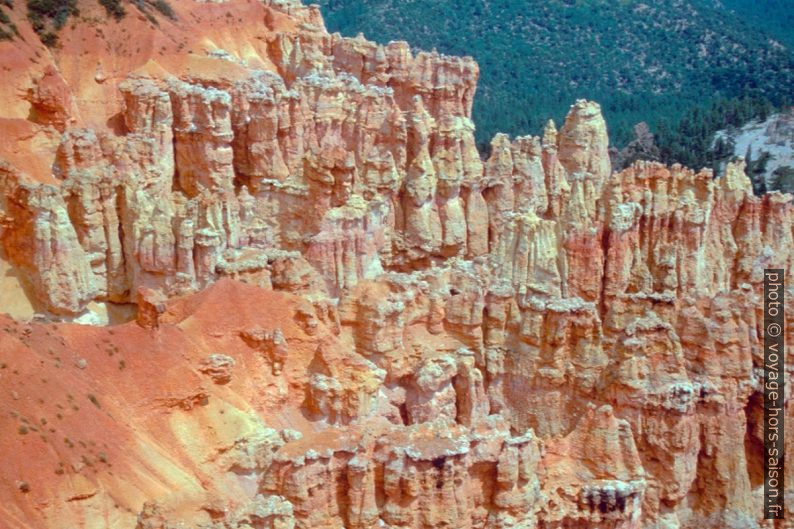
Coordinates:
x,y
347,318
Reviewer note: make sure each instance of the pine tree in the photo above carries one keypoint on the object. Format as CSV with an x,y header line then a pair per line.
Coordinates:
x,y
759,185
782,180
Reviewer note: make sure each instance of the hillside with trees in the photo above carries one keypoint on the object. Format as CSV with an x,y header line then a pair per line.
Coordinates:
x,y
686,68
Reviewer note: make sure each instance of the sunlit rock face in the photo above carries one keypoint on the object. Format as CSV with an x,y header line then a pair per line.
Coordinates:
x,y
346,318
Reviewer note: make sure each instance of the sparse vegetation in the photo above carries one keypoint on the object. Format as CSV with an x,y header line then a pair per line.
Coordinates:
x,y
114,8
6,35
94,400
8,29
151,18
782,180
756,169
164,8
48,16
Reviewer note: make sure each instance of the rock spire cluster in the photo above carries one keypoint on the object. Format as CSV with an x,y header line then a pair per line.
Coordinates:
x,y
399,333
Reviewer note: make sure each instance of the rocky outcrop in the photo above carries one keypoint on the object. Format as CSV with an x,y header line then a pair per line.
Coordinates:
x,y
529,340
39,237
426,478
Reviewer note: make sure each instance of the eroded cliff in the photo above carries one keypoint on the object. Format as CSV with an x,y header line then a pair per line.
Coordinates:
x,y
347,318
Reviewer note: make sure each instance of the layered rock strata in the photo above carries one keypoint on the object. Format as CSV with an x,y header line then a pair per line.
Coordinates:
x,y
530,340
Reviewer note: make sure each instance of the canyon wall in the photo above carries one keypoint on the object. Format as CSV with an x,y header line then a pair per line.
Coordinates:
x,y
529,340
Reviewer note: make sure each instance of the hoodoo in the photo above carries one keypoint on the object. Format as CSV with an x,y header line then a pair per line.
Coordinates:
x,y
315,306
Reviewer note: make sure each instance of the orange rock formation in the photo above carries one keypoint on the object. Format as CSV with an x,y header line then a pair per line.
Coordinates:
x,y
346,318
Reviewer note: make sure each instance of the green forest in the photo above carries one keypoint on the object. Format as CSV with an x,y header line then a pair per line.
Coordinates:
x,y
686,68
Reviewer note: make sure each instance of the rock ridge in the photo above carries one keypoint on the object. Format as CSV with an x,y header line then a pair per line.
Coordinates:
x,y
407,335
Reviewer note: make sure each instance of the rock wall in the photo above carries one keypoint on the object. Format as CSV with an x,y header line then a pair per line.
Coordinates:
x,y
525,341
